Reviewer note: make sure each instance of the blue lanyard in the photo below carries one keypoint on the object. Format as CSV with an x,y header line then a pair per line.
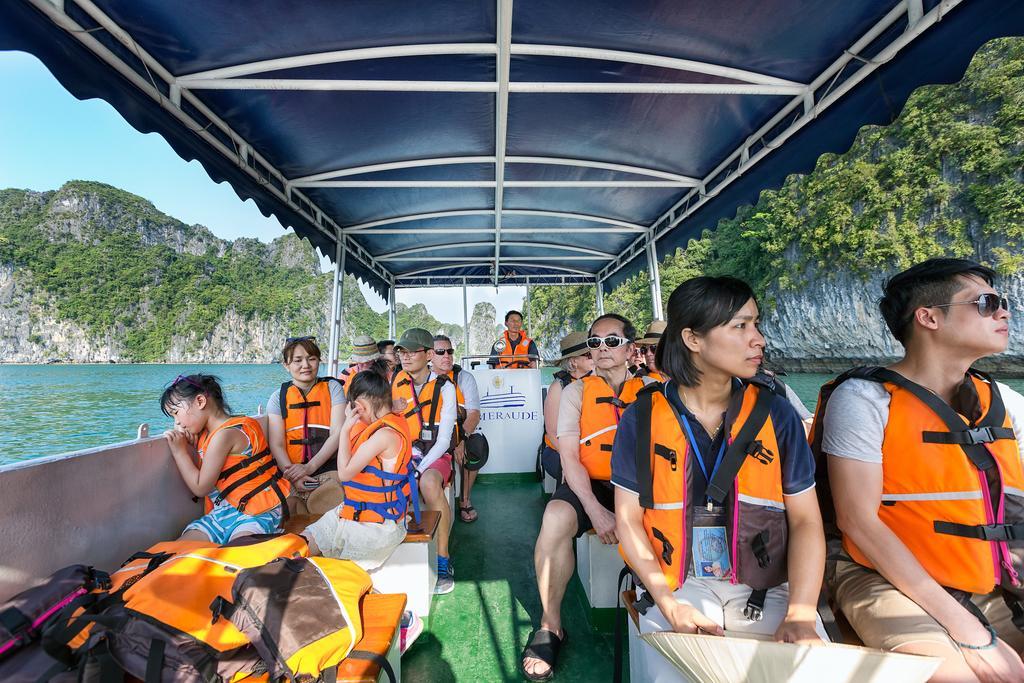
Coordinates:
x,y
700,459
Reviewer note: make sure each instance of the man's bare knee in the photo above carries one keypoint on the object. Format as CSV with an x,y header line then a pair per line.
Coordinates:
x,y
559,521
431,485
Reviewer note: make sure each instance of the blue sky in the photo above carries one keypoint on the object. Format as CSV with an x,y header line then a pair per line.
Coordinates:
x,y
47,137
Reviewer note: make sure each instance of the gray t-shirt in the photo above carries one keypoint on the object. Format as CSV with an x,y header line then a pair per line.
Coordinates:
x,y
274,402
858,411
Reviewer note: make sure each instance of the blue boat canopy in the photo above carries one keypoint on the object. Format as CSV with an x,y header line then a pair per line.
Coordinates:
x,y
459,142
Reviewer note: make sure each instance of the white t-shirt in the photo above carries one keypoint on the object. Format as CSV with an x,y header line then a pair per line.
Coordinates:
x,y
858,411
470,392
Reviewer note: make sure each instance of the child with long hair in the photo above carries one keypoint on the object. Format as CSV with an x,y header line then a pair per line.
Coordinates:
x,y
223,458
374,456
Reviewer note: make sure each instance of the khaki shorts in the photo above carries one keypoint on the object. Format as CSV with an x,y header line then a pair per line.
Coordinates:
x,y
886,619
368,544
325,497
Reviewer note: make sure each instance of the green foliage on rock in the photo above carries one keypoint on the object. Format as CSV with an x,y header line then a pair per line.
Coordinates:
x,y
943,179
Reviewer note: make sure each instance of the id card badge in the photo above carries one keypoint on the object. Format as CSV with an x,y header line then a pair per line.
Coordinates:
x,y
710,547
427,434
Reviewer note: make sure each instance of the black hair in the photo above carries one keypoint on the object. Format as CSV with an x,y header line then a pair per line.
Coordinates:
x,y
928,283
187,387
383,345
700,304
444,338
372,385
628,330
513,312
307,343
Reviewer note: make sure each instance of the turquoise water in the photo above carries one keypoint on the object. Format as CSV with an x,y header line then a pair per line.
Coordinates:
x,y
51,409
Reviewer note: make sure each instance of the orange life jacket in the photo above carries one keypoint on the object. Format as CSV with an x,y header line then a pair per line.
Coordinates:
x,y
600,420
564,379
952,483
423,410
376,493
748,483
307,420
514,355
460,418
346,375
250,481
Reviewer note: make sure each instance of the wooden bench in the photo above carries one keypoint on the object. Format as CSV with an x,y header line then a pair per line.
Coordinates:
x,y
382,615
412,568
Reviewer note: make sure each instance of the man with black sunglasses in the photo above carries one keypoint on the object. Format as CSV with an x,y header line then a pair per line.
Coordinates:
x,y
924,461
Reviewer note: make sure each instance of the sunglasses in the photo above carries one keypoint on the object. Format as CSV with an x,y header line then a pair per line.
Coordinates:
x,y
185,378
611,341
292,340
442,352
649,350
408,352
988,304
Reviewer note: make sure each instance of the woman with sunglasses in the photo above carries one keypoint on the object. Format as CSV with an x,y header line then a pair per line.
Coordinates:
x,y
588,415
304,419
924,465
244,490
714,501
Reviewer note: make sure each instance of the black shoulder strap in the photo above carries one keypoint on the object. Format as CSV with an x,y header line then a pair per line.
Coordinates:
x,y
283,399
975,450
742,446
644,474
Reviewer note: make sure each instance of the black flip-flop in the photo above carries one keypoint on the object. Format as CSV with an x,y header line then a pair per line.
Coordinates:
x,y
545,646
468,508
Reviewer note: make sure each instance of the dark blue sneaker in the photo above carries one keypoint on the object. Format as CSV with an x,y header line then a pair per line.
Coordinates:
x,y
445,576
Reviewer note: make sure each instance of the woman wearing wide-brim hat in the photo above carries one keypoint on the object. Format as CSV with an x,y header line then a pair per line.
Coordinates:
x,y
574,363
647,345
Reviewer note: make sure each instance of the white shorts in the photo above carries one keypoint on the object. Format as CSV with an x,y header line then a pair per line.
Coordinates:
x,y
721,602
368,544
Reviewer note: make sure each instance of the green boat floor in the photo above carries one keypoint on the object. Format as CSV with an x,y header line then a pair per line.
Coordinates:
x,y
477,632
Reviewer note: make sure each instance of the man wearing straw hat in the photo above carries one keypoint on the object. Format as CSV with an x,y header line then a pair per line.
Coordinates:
x,y
364,352
574,363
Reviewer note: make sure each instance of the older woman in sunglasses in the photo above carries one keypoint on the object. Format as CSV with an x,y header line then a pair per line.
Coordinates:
x,y
588,416
924,461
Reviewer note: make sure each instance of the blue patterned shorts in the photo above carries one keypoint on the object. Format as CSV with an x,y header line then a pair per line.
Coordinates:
x,y
224,523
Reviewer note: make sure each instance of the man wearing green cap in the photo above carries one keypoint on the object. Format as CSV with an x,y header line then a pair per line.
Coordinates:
x,y
429,404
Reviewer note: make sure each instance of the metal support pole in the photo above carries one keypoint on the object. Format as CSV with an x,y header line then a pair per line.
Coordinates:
x,y
392,313
526,303
332,349
465,318
339,310
600,298
654,275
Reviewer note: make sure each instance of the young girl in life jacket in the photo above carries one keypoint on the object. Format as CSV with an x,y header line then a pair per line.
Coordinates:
x,y
223,458
716,511
374,456
304,417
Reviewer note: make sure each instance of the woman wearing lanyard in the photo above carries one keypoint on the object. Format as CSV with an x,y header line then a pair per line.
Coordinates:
x,y
714,503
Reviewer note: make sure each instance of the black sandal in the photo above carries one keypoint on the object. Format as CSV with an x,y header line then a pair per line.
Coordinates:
x,y
544,645
464,510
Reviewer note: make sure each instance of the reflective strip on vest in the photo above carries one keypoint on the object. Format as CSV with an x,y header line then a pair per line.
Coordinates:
x,y
668,506
938,495
598,433
1013,491
763,502
327,427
